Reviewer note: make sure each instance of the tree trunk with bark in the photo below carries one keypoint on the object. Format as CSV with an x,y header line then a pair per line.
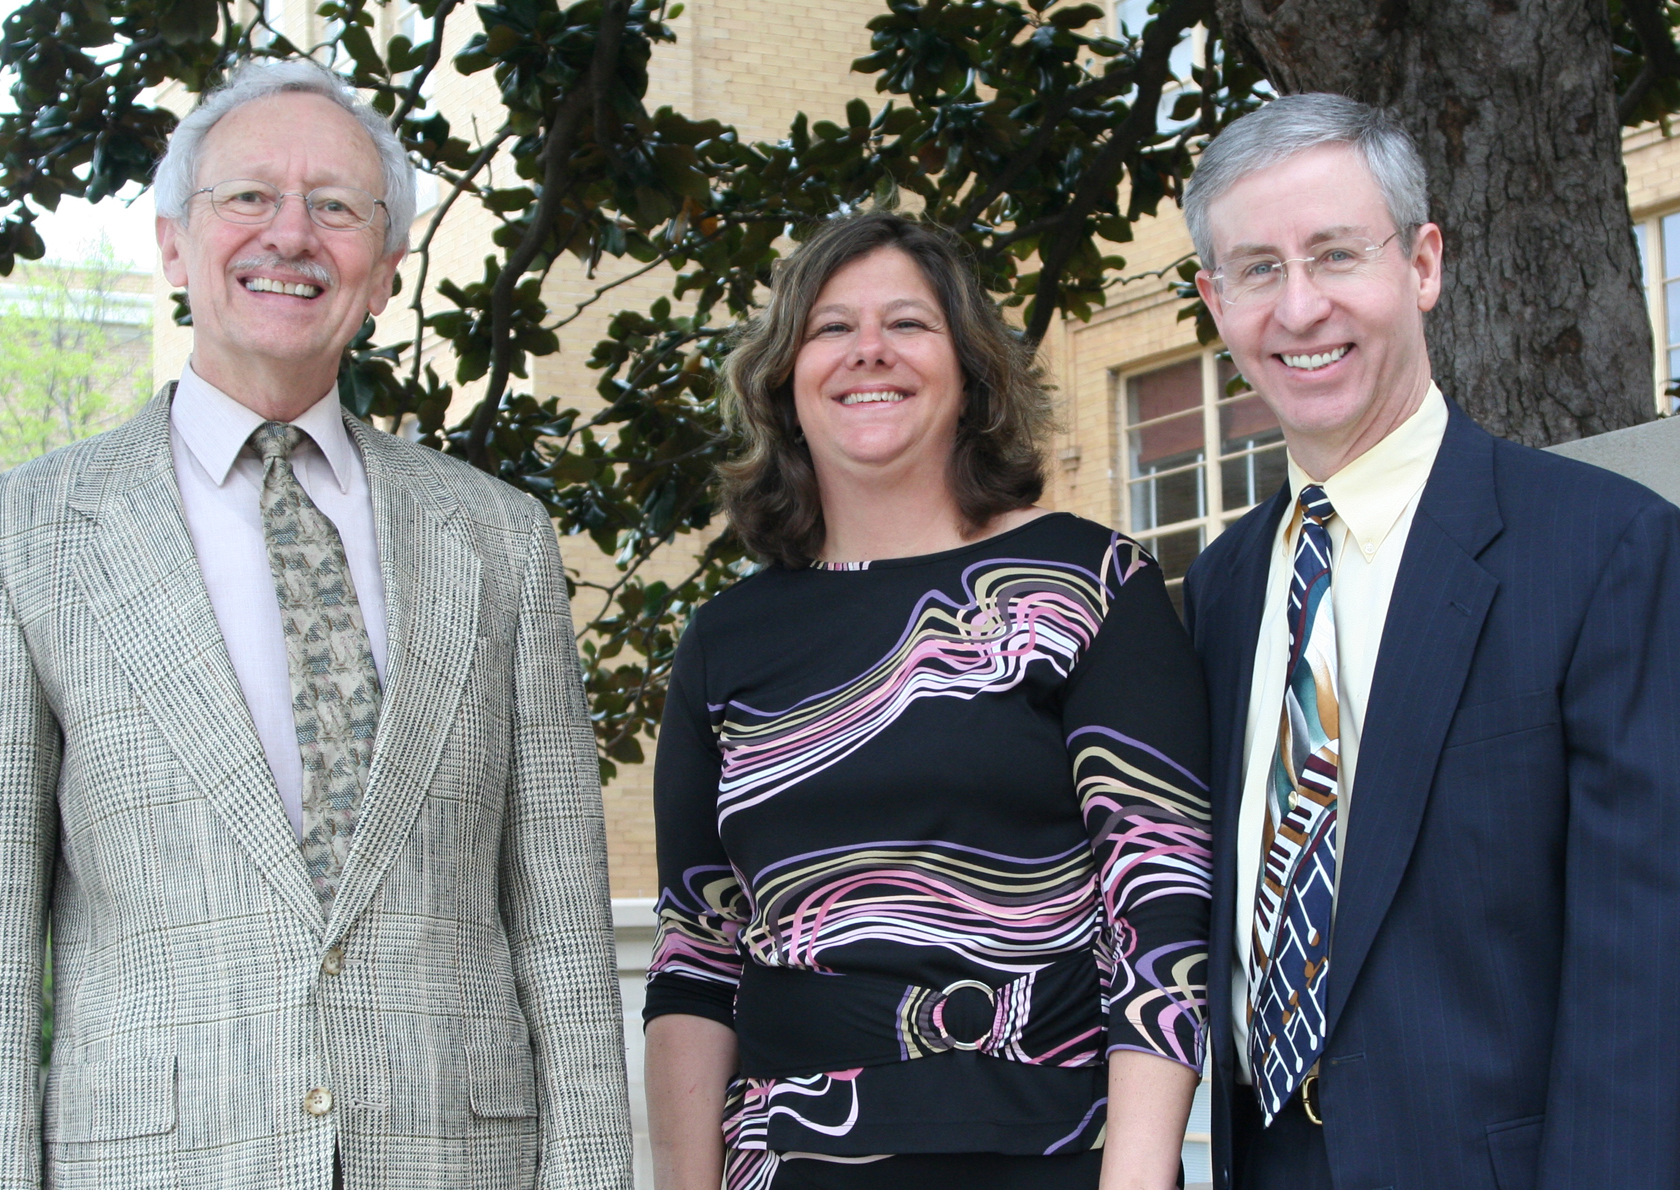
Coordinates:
x,y
1541,333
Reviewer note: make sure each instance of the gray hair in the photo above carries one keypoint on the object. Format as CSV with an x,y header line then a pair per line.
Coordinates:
x,y
1293,124
177,173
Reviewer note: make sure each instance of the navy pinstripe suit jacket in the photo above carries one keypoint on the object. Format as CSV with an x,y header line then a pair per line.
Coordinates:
x,y
1504,997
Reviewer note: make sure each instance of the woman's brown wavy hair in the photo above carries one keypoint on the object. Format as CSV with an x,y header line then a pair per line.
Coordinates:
x,y
769,487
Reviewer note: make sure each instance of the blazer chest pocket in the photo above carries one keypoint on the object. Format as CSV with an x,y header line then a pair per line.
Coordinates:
x,y
1503,717
109,1100
502,1082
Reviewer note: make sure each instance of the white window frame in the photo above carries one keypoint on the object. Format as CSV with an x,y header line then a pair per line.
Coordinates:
x,y
1649,240
1214,516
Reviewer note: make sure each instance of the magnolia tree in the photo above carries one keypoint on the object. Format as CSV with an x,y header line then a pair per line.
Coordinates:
x,y
1039,132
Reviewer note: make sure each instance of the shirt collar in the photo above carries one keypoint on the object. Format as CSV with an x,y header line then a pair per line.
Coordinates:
x,y
215,428
1371,493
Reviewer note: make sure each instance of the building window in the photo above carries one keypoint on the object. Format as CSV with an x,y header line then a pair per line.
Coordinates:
x,y
1171,499
1658,243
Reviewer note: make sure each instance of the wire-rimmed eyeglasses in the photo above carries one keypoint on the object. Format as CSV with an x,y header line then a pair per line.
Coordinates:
x,y
334,208
1263,275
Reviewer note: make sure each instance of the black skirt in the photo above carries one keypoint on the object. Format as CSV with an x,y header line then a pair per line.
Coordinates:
x,y
927,1171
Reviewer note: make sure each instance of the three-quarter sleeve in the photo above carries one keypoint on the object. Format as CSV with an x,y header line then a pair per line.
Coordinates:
x,y
696,964
1135,716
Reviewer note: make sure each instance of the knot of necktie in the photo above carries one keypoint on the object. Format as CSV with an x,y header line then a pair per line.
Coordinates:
x,y
1315,504
276,440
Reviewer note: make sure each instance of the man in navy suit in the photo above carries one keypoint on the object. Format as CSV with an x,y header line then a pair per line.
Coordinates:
x,y
1444,671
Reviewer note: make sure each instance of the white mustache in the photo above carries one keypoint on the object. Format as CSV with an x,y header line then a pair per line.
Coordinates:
x,y
307,269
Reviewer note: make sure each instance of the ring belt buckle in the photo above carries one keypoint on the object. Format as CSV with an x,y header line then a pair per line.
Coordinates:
x,y
1309,1099
938,1016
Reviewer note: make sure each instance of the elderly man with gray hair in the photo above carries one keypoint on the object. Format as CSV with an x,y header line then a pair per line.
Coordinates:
x,y
295,760
1444,672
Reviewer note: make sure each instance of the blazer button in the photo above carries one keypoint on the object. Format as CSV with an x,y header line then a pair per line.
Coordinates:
x,y
318,1102
333,961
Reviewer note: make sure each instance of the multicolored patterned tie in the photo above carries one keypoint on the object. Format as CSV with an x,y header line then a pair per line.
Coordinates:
x,y
1289,962
335,687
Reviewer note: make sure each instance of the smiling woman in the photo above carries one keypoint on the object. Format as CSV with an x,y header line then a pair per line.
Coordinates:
x,y
880,311
930,792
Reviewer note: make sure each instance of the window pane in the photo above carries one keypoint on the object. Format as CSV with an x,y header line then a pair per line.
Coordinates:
x,y
1230,380
1175,552
1182,59
1167,499
1132,16
1639,247
1671,246
1250,478
1175,442
1175,593
1673,303
1245,424
1169,390
1674,364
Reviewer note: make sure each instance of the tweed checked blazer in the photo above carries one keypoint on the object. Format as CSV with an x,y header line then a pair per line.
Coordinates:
x,y
459,1008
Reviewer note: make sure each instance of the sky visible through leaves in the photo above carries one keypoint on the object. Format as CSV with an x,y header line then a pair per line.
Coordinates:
x,y
72,231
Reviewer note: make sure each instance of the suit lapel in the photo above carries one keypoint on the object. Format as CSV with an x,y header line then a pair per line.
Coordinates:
x,y
432,582
1232,611
1441,598
144,588
1240,599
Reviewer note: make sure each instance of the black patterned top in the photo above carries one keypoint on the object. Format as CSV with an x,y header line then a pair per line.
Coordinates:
x,y
933,839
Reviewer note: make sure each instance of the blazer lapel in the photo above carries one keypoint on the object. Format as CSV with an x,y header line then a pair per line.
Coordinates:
x,y
144,588
1435,616
1240,601
1228,630
432,583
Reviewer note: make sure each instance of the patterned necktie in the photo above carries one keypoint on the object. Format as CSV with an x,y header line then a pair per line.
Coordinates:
x,y
1289,962
335,688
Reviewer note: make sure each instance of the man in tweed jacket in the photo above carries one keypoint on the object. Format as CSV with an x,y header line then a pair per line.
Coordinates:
x,y
428,997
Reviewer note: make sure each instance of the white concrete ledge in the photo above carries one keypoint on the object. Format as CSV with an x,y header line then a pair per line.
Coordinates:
x,y
631,913
1647,454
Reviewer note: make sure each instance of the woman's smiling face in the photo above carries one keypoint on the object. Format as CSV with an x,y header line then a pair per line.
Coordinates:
x,y
877,384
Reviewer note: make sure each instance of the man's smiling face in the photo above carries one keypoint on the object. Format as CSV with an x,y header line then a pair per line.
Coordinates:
x,y
284,297
1340,361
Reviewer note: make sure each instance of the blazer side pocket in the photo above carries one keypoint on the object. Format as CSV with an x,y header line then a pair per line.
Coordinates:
x,y
109,1100
1503,717
502,1082
1515,1149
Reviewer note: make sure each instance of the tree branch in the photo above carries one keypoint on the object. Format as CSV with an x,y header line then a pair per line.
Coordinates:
x,y
607,288
1103,174
556,154
1649,19
1114,83
411,98
1147,273
1641,86
424,249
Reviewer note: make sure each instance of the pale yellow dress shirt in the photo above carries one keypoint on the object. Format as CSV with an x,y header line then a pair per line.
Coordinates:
x,y
1375,498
